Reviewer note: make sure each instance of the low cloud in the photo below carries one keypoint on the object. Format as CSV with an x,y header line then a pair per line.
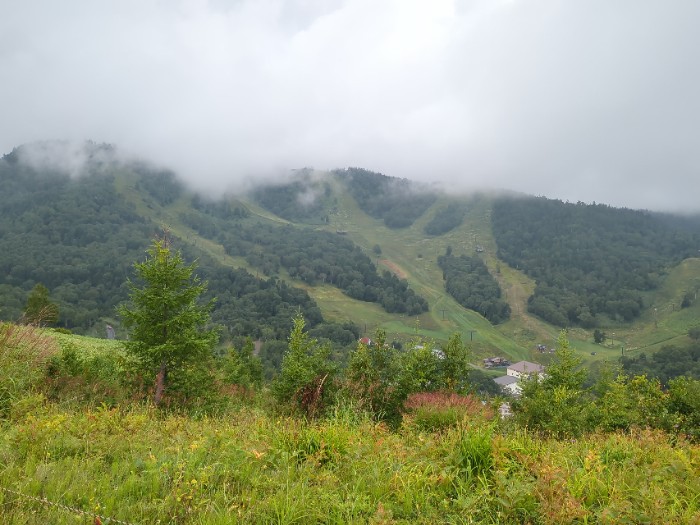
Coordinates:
x,y
592,101
65,157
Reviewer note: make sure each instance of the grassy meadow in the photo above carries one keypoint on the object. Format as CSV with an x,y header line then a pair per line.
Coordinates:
x,y
75,447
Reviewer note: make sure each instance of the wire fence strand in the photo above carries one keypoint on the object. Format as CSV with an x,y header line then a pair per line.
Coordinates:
x,y
98,518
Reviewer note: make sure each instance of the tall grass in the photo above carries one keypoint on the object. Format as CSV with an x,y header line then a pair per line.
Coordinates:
x,y
140,465
434,411
250,464
24,354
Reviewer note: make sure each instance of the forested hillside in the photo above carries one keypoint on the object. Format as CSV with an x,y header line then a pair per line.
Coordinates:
x,y
592,263
80,234
666,364
316,257
446,219
355,246
397,202
79,237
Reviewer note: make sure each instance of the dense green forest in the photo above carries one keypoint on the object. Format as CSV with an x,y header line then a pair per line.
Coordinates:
x,y
446,219
318,256
592,263
79,237
249,306
468,280
161,185
76,236
303,200
222,209
396,201
670,362
313,257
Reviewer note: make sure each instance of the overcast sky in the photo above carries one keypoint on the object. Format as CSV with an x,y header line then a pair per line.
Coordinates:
x,y
594,100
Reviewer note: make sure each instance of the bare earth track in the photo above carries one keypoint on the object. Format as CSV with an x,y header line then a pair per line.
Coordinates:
x,y
395,268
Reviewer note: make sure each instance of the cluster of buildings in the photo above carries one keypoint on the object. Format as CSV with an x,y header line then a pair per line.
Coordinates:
x,y
509,383
515,373
496,362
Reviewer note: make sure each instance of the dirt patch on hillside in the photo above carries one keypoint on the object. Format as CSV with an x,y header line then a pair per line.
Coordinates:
x,y
394,268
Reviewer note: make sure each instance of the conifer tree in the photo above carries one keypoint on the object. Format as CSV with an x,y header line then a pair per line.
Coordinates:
x,y
307,372
242,367
557,404
169,332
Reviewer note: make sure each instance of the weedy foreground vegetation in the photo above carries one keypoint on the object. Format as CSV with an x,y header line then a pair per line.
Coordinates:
x,y
76,446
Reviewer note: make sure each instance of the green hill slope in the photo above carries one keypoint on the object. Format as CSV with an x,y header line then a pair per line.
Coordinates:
x,y
79,236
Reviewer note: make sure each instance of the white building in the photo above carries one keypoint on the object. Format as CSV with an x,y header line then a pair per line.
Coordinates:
x,y
510,382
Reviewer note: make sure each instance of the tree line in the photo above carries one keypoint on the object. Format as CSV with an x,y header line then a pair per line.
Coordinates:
x,y
668,363
446,219
302,200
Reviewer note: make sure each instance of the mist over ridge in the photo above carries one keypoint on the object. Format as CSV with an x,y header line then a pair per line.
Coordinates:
x,y
591,102
82,158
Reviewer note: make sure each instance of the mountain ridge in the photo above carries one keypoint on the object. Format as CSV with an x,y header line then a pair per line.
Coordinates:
x,y
159,199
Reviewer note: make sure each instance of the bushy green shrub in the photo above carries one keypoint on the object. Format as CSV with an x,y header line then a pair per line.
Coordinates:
x,y
684,404
371,380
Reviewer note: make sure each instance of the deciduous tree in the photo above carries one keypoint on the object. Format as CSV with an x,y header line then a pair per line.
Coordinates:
x,y
455,364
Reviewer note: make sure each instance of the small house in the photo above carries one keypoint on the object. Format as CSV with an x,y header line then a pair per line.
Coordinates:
x,y
509,384
525,369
